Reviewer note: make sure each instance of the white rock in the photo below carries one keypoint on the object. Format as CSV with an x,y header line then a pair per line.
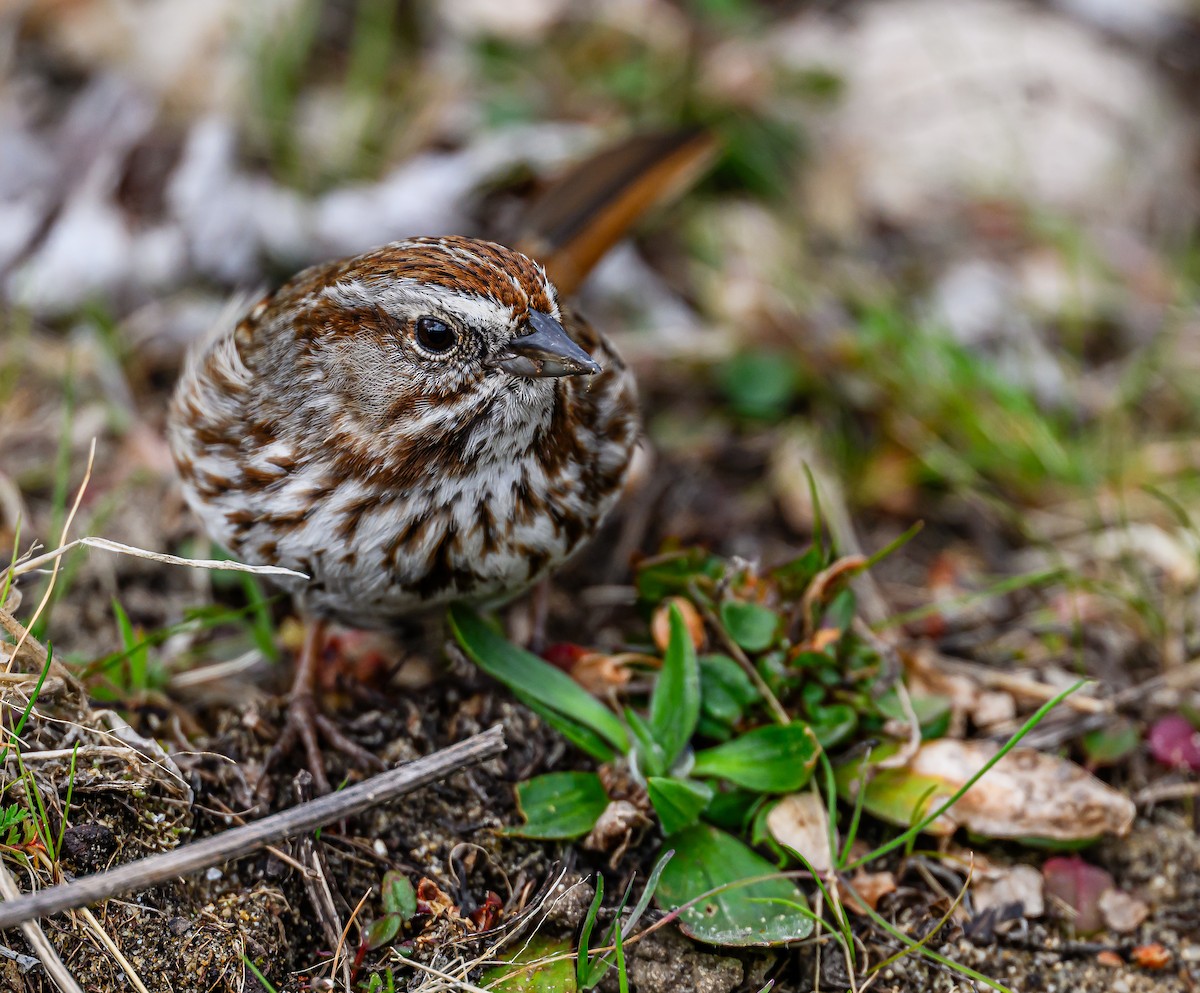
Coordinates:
x,y
953,99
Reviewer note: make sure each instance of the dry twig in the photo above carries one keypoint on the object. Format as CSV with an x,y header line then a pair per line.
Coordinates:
x,y
242,840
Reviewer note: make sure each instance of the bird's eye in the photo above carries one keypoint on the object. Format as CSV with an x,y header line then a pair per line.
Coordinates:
x,y
434,336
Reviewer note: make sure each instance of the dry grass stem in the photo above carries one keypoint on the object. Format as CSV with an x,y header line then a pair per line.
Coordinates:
x,y
113,949
66,529
38,941
108,545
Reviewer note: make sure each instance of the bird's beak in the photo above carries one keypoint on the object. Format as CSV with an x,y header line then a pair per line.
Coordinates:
x,y
545,351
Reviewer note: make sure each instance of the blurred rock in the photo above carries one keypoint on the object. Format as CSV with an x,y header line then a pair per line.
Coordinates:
x,y
513,20
1143,21
1001,886
946,100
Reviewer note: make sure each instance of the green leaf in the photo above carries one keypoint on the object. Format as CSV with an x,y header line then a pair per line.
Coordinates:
x,y
560,804
383,930
1110,744
262,628
669,574
678,802
933,712
651,759
751,625
137,653
725,689
583,738
517,975
898,796
774,759
583,962
839,615
793,577
399,897
768,912
759,384
524,672
833,724
732,809
675,702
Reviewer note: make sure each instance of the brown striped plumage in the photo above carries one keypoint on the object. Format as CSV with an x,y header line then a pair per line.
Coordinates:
x,y
320,434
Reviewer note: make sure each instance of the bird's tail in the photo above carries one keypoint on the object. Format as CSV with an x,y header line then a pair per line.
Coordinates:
x,y
584,212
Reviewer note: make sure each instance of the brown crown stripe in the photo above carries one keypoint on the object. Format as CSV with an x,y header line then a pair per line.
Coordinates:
x,y
453,263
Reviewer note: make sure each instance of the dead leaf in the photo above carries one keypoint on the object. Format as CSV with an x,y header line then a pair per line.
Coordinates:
x,y
1008,885
433,901
1122,912
1175,742
800,822
487,914
1026,794
660,624
1080,886
1153,956
871,887
828,581
614,829
599,673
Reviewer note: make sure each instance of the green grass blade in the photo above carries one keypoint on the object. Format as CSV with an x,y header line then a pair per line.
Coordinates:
x,y
582,969
37,689
524,672
675,701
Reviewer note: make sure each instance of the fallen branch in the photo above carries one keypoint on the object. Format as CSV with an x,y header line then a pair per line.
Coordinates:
x,y
241,841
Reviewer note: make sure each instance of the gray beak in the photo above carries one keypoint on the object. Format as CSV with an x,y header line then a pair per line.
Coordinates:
x,y
545,351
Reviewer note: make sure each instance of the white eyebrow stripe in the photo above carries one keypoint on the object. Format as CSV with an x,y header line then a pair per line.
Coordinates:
x,y
403,292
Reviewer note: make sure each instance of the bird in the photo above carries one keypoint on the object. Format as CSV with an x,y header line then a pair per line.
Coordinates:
x,y
424,423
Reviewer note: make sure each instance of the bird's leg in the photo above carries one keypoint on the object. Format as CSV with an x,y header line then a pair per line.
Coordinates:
x,y
539,613
306,724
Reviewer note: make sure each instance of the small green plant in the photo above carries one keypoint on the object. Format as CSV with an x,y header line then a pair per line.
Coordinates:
x,y
703,797
793,678
15,826
717,737
138,672
15,734
589,968
399,906
135,668
385,983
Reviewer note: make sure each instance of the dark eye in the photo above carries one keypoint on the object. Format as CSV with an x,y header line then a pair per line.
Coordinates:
x,y
434,336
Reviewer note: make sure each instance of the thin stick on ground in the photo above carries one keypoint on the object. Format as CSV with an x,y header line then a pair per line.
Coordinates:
x,y
241,841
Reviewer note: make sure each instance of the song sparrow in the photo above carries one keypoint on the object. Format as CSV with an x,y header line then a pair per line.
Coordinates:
x,y
426,422
423,423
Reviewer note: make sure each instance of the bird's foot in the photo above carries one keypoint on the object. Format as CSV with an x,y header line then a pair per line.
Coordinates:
x,y
307,726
